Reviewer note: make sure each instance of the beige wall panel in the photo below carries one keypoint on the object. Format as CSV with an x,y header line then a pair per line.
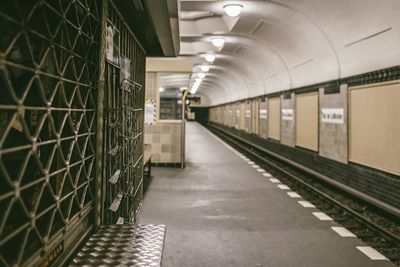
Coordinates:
x,y
228,115
213,114
237,115
255,115
225,115
307,116
247,116
165,139
263,119
242,116
375,126
222,114
274,118
231,115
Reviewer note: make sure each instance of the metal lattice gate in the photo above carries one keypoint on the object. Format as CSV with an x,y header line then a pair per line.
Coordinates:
x,y
50,150
123,139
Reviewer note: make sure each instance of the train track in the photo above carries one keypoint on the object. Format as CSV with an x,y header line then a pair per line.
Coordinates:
x,y
369,223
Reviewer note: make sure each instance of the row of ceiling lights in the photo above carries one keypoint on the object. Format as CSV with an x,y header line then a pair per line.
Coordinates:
x,y
232,10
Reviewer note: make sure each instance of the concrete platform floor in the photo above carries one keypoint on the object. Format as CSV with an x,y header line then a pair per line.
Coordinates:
x,y
220,211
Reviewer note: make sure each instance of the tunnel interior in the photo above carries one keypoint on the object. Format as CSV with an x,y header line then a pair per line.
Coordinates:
x,y
93,93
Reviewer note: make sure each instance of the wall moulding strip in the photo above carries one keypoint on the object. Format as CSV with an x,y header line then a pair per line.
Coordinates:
x,y
369,35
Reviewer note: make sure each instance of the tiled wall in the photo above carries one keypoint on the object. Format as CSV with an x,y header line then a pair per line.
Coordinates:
x,y
165,135
165,140
332,158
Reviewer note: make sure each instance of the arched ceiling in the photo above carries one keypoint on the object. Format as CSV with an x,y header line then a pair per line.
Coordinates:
x,y
284,44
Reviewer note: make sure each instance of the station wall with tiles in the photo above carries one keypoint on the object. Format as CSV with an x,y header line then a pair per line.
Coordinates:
x,y
328,127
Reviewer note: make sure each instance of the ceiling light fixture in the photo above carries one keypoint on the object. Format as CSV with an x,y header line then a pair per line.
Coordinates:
x,y
198,80
194,88
161,89
201,75
233,10
218,41
205,67
210,58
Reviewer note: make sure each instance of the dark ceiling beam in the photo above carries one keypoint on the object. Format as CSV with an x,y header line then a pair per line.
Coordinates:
x,y
154,23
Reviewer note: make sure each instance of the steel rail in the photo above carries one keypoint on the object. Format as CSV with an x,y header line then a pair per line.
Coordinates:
x,y
384,232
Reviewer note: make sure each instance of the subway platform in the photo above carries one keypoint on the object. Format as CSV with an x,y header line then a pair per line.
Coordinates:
x,y
220,211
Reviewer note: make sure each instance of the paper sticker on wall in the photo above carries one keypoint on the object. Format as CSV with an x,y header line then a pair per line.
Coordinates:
x,y
112,43
263,113
287,114
332,115
150,113
248,113
125,69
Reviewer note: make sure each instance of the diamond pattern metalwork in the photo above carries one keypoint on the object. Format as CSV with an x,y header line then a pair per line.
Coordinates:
x,y
123,245
123,133
48,87
49,140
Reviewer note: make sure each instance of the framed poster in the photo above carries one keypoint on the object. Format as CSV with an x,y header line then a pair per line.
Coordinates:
x,y
112,43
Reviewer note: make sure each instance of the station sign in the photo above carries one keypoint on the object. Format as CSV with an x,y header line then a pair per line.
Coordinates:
x,y
287,114
332,115
263,114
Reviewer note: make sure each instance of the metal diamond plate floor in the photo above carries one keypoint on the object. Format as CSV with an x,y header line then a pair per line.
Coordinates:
x,y
123,245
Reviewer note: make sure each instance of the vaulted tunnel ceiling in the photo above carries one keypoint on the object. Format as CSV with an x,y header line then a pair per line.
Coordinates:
x,y
283,44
